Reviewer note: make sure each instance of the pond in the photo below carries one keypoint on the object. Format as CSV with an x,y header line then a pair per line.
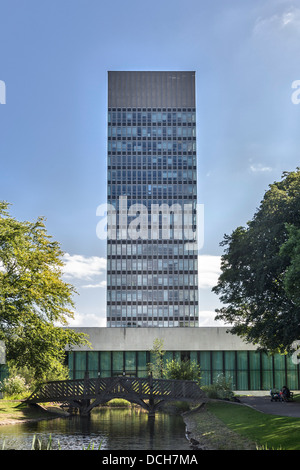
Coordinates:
x,y
106,428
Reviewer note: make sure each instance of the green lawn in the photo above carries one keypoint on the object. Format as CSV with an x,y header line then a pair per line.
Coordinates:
x,y
268,431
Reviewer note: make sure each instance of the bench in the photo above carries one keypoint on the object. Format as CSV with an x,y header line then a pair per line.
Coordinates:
x,y
277,396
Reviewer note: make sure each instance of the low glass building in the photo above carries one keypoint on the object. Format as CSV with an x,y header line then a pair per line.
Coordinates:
x,y
123,351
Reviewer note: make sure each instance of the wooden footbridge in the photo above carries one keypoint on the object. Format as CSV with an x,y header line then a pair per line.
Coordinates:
x,y
85,394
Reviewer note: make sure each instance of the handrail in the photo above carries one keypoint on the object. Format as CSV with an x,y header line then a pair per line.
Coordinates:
x,y
89,388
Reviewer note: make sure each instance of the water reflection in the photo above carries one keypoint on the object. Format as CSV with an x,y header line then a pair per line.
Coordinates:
x,y
109,429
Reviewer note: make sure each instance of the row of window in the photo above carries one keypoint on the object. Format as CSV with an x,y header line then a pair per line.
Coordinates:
x,y
171,249
139,323
155,117
153,232
149,264
133,132
150,295
153,311
168,207
156,191
150,146
118,322
248,370
152,279
179,175
152,162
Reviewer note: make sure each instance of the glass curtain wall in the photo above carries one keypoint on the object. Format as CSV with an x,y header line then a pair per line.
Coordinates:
x,y
152,270
247,370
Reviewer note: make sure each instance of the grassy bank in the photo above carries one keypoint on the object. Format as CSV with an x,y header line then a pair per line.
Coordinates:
x,y
14,411
212,433
268,431
227,426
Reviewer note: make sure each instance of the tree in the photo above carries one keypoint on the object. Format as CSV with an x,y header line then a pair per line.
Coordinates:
x,y
182,370
259,281
156,368
291,249
34,301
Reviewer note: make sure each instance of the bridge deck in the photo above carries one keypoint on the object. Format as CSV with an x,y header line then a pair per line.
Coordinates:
x,y
101,390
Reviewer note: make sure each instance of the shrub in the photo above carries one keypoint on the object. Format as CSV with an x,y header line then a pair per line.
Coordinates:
x,y
220,389
119,403
13,386
182,370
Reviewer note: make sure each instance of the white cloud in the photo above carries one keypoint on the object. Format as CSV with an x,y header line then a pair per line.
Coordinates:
x,y
81,267
207,318
288,20
87,320
101,284
209,269
260,168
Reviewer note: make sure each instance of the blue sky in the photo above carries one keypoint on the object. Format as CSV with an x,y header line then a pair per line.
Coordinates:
x,y
54,58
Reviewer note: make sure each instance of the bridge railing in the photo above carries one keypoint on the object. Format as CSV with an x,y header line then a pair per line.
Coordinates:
x,y
90,388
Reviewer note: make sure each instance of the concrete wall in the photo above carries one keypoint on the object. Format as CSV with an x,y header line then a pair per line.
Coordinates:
x,y
174,339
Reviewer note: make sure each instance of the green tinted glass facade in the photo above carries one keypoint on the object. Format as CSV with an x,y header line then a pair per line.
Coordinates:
x,y
248,370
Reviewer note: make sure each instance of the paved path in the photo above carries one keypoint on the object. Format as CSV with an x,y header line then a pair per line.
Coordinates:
x,y
265,405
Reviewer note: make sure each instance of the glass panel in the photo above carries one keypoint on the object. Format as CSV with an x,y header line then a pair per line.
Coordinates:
x,y
105,364
242,360
267,362
290,365
279,379
254,364
292,380
130,362
230,376
93,363
242,380
194,356
229,357
267,380
117,362
255,382
292,374
80,364
230,367
177,355
70,362
242,370
267,372
217,361
142,364
168,356
279,371
205,364
205,377
279,362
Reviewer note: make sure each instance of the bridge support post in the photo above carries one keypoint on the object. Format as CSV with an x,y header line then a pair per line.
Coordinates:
x,y
85,403
84,407
151,411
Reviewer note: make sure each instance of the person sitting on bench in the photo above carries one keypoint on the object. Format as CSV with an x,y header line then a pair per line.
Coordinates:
x,y
285,393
